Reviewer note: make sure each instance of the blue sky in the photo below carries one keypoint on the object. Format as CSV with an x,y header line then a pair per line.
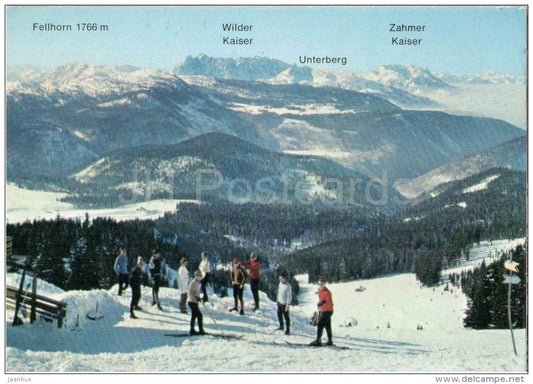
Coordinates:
x,y
456,39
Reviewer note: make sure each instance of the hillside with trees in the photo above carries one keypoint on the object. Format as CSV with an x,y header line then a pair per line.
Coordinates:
x,y
431,234
488,294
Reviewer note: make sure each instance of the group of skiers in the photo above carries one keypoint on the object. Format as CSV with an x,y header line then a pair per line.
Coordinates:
x,y
134,278
191,294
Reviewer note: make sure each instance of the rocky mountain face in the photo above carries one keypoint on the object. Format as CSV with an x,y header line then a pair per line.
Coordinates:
x,y
246,68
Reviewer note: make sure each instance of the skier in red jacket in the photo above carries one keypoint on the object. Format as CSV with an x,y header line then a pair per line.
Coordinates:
x,y
254,271
325,307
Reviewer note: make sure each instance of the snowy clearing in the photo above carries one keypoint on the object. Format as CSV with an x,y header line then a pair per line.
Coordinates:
x,y
482,185
487,251
23,204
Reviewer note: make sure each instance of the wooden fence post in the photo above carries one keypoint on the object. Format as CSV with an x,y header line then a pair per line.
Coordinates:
x,y
61,313
16,320
33,313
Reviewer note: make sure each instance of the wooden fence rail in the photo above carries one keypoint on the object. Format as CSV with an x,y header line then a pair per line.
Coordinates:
x,y
32,305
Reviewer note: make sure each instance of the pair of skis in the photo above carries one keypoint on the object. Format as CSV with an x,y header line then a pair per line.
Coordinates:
x,y
227,337
343,347
239,337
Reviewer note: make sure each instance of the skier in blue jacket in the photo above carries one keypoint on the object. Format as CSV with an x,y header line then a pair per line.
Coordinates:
x,y
121,269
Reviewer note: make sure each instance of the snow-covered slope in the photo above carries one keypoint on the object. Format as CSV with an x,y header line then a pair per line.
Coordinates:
x,y
388,312
488,251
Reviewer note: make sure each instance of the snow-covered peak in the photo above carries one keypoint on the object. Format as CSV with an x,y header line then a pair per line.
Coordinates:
x,y
501,78
407,77
88,79
293,75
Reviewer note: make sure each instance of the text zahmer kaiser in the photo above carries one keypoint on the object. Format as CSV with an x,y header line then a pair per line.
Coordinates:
x,y
406,29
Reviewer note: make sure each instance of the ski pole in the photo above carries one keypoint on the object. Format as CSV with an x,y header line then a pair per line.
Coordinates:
x,y
210,315
22,306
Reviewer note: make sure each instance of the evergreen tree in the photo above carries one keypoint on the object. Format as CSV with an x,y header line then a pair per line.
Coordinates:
x,y
488,294
478,312
53,253
85,264
428,269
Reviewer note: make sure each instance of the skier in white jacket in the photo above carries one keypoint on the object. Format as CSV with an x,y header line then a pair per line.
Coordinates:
x,y
194,298
284,301
183,284
205,268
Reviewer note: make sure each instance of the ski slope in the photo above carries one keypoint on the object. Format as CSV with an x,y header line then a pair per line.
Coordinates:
x,y
387,312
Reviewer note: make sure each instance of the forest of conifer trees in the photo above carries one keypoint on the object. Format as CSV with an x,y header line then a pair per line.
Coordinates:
x,y
337,243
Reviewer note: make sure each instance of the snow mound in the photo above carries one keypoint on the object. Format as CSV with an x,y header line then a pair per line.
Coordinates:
x,y
349,322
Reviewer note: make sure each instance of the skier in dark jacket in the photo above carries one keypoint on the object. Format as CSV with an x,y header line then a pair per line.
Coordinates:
x,y
135,284
156,272
238,279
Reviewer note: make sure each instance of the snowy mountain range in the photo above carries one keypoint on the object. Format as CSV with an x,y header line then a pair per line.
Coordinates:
x,y
395,75
71,116
485,78
409,78
407,86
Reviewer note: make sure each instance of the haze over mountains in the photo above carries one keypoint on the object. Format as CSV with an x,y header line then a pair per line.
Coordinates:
x,y
387,123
